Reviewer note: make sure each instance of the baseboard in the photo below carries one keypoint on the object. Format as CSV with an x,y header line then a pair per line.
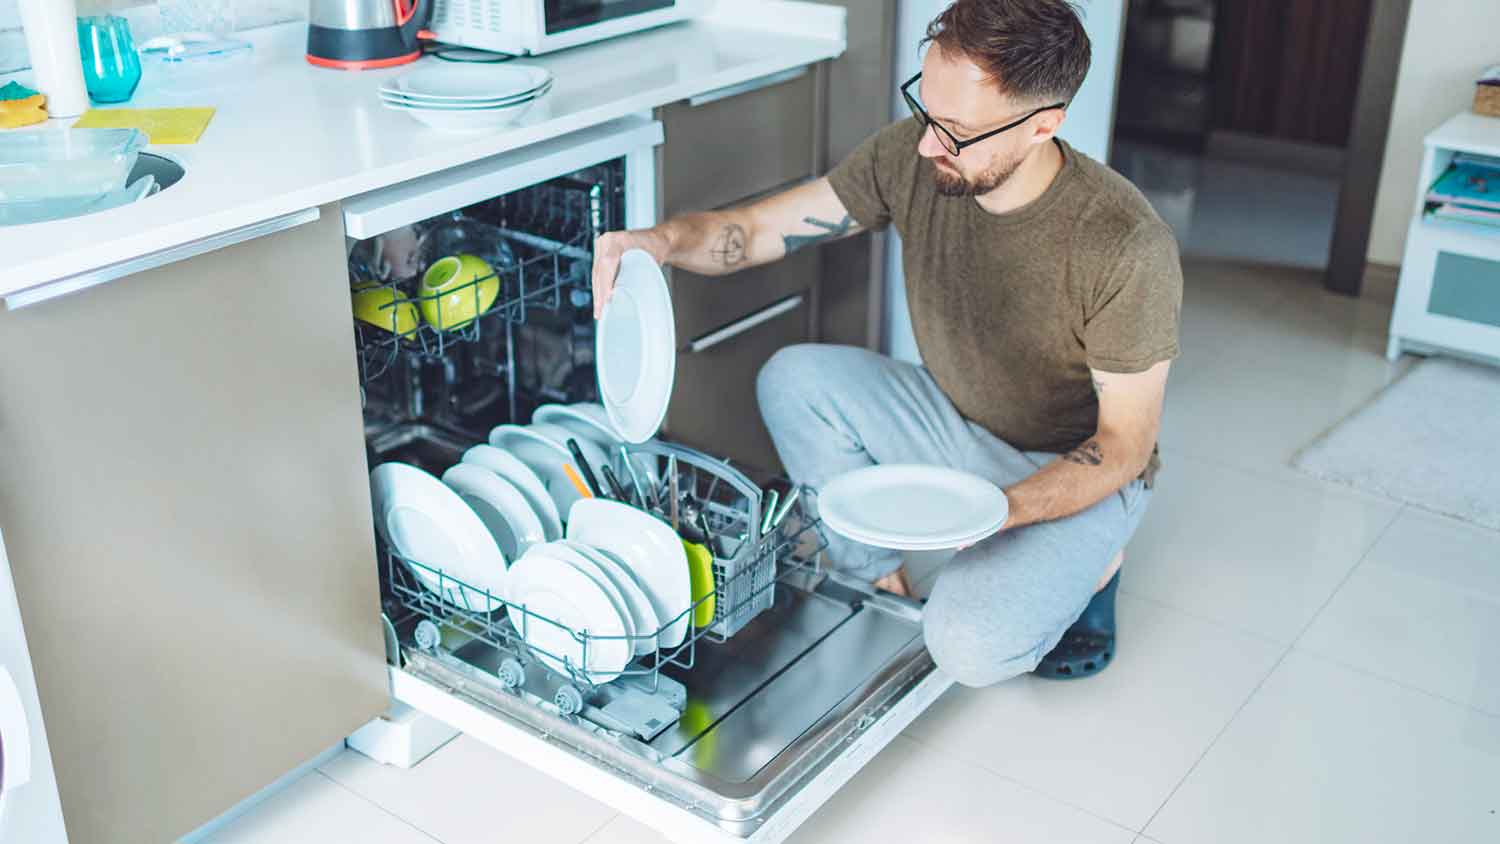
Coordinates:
x,y
1297,156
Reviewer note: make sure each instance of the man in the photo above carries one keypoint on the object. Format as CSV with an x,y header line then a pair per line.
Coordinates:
x,y
1044,294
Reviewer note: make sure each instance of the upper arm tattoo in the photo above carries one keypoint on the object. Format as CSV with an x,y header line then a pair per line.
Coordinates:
x,y
729,248
1088,454
831,231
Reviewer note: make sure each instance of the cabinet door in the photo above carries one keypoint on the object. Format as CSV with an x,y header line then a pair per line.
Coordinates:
x,y
187,514
702,304
713,401
723,151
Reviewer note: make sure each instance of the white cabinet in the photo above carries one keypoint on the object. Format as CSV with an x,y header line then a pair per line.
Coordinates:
x,y
1448,298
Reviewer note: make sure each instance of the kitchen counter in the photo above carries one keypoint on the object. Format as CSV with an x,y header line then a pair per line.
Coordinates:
x,y
288,137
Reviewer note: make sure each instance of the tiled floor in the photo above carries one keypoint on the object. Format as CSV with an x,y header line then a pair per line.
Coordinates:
x,y
1298,663
1233,209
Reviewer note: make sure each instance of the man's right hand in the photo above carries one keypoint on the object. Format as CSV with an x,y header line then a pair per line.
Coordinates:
x,y
608,249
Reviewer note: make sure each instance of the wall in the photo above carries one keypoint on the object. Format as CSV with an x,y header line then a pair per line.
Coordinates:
x,y
152,17
1448,44
1088,127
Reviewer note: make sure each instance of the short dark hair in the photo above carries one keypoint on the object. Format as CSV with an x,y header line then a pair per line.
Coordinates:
x,y
1034,50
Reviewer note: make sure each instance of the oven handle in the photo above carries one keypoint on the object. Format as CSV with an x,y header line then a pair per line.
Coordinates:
x,y
743,324
747,86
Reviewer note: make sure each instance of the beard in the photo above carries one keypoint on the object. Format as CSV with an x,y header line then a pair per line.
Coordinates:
x,y
953,183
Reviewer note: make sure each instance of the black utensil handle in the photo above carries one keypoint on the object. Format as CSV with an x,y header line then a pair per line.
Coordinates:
x,y
586,469
616,489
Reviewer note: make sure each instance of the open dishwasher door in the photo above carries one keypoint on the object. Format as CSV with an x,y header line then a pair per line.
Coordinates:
x,y
775,721
739,733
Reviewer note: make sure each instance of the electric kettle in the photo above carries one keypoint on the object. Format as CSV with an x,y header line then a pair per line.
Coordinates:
x,y
364,34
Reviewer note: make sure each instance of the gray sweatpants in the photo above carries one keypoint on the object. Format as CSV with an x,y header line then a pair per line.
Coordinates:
x,y
999,606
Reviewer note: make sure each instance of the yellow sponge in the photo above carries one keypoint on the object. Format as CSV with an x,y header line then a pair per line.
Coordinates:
x,y
20,106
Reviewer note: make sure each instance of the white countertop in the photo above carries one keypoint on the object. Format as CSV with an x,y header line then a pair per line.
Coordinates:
x,y
288,136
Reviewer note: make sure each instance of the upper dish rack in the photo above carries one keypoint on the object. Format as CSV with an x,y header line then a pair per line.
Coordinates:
x,y
541,280
539,244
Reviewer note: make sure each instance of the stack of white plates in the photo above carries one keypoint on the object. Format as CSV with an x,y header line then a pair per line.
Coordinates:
x,y
466,96
912,508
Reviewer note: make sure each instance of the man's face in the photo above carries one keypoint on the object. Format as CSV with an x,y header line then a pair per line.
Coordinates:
x,y
958,95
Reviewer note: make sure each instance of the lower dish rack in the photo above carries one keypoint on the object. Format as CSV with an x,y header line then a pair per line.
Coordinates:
x,y
640,699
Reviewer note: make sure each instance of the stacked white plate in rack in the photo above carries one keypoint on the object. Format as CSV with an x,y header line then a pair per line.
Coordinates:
x,y
446,95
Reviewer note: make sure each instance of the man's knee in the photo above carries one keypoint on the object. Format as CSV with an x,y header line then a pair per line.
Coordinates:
x,y
980,646
786,374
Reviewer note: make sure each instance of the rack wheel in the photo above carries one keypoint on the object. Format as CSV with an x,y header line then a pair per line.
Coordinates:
x,y
512,674
569,700
427,634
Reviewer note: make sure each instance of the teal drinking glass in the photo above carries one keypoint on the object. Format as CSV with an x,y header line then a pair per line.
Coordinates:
x,y
111,67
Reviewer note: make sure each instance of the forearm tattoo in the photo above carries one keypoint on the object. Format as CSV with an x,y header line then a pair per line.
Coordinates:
x,y
729,247
1088,454
831,231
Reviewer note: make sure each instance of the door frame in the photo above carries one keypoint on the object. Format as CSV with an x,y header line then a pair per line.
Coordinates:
x,y
1365,153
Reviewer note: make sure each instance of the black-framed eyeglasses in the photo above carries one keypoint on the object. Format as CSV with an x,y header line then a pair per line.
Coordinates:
x,y
951,143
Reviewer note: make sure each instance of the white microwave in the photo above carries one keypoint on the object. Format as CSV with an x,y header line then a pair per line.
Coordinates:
x,y
541,26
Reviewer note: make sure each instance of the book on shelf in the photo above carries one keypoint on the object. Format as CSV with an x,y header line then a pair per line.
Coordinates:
x,y
1467,214
1474,182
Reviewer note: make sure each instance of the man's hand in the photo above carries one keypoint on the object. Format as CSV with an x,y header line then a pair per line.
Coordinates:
x,y
897,583
609,248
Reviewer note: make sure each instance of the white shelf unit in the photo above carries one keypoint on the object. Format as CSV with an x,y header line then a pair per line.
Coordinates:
x,y
1448,298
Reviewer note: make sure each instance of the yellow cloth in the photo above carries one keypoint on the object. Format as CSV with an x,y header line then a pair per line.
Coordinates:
x,y
161,125
23,112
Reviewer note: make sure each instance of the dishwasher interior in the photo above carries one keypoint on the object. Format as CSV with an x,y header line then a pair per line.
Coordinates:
x,y
748,706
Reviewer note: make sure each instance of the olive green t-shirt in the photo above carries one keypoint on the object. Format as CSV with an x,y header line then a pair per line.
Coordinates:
x,y
1010,311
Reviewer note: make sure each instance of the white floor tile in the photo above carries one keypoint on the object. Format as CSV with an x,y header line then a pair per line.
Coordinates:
x,y
1324,754
1259,554
911,793
1422,609
1116,744
1269,362
626,830
469,792
314,808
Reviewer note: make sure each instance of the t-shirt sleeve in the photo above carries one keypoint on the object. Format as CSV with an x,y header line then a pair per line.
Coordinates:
x,y
857,181
1136,311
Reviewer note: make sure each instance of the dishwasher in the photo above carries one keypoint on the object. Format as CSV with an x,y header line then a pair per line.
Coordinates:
x,y
742,730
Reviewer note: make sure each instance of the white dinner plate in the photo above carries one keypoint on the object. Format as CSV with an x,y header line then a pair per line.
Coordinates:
x,y
636,349
501,507
452,82
590,420
464,120
444,104
545,456
642,614
523,478
577,603
564,551
912,507
425,521
651,551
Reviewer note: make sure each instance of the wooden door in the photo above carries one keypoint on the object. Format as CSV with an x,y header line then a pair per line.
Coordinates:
x,y
1289,70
